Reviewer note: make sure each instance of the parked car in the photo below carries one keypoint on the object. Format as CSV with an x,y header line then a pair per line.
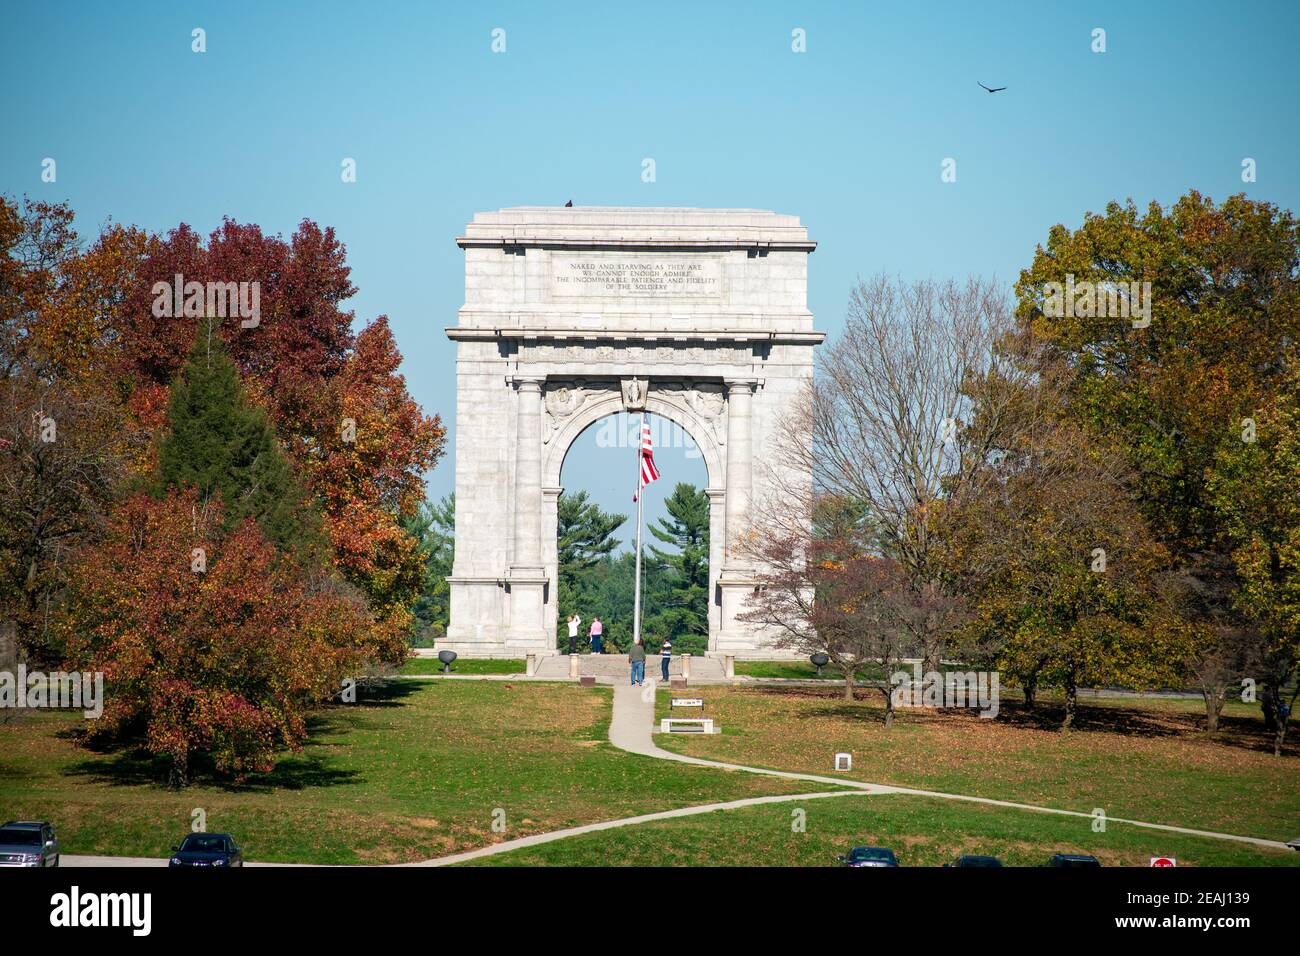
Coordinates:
x,y
28,843
207,849
1074,861
974,860
869,856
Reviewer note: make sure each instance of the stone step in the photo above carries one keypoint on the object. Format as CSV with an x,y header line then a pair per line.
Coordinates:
x,y
556,666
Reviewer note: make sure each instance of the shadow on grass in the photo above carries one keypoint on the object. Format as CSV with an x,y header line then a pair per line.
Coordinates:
x,y
1242,733
125,762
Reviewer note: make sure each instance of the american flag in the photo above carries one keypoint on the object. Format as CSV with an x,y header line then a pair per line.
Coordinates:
x,y
649,472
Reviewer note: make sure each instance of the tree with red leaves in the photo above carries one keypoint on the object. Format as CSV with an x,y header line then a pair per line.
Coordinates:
x,y
212,642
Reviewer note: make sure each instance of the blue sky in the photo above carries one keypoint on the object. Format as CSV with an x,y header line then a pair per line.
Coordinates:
x,y
849,135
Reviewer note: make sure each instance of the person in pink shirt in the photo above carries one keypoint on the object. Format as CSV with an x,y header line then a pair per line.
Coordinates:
x,y
597,636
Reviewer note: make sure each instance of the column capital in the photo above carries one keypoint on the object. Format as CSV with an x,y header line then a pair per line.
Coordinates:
x,y
745,385
527,383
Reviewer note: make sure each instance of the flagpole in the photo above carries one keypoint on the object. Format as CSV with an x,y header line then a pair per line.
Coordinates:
x,y
640,496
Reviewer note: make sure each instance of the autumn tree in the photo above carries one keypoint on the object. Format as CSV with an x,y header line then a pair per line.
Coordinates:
x,y
820,593
221,661
65,441
1255,488
1071,599
336,399
1172,388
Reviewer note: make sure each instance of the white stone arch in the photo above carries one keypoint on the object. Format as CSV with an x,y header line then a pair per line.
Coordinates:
x,y
704,309
669,405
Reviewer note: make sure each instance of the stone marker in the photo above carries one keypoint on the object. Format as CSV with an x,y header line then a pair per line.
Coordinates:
x,y
574,664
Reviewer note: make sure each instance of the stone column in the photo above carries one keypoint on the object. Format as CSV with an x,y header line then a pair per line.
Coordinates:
x,y
717,558
551,563
740,467
527,580
736,582
528,476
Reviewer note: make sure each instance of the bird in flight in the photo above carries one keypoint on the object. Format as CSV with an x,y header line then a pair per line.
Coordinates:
x,y
993,89
568,204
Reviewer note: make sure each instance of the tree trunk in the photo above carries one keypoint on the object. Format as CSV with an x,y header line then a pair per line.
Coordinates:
x,y
1071,704
930,663
1214,696
889,708
1031,692
848,684
1268,703
1283,720
178,775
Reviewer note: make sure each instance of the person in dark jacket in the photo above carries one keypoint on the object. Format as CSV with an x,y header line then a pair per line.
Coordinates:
x,y
637,656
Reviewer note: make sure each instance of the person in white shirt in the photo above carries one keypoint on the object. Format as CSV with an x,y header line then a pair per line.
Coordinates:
x,y
574,623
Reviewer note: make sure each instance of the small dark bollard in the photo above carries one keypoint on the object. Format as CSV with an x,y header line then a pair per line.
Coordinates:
x,y
819,661
446,657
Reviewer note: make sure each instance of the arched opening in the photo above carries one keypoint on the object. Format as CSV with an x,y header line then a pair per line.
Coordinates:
x,y
591,555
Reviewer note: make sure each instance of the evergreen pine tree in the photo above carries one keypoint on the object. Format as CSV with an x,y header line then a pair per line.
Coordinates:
x,y
221,444
680,594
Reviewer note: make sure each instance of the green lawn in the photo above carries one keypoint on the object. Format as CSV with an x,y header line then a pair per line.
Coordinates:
x,y
922,831
804,670
483,665
1141,759
412,772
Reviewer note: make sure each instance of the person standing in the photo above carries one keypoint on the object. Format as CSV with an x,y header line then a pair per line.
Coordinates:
x,y
665,656
637,656
597,636
574,623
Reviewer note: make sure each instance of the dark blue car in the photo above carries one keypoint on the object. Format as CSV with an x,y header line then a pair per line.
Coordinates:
x,y
869,856
207,849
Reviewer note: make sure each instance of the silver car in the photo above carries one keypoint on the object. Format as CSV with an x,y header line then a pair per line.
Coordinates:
x,y
27,843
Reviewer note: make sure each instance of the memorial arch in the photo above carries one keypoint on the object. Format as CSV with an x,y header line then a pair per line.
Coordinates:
x,y
571,315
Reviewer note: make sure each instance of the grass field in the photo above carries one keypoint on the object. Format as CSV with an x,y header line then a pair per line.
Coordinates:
x,y
922,831
414,771
804,670
431,665
1142,759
